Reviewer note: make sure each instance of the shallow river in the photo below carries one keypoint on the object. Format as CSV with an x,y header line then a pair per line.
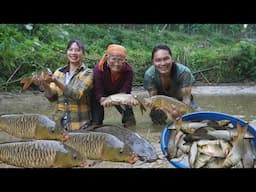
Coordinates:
x,y
238,101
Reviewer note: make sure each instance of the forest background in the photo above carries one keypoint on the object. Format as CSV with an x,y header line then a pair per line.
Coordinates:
x,y
217,53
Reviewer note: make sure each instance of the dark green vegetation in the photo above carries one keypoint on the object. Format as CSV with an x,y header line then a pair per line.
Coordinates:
x,y
230,49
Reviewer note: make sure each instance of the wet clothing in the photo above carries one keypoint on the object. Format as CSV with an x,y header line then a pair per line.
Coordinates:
x,y
181,77
73,105
104,85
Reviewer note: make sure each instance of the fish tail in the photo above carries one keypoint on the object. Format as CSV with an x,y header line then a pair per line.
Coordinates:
x,y
241,130
142,108
27,83
178,124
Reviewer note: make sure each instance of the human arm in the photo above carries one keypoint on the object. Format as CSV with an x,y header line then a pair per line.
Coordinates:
x,y
186,95
124,86
103,87
186,78
49,91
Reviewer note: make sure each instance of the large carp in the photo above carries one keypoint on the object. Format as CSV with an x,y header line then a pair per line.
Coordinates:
x,y
100,146
166,104
31,126
40,154
144,149
124,99
45,73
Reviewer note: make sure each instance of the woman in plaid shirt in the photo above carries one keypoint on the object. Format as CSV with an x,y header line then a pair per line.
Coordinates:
x,y
71,87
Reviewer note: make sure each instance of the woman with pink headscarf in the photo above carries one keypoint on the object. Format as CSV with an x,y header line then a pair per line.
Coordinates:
x,y
112,75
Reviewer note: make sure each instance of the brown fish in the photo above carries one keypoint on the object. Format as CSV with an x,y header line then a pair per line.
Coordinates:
x,y
167,104
101,146
44,73
31,126
141,146
124,99
40,154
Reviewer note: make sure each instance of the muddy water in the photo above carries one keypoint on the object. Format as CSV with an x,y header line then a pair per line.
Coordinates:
x,y
242,105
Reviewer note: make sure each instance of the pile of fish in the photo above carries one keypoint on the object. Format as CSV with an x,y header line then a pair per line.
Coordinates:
x,y
211,144
42,143
38,144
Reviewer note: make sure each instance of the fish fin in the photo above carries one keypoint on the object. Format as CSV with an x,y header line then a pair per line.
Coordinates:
x,y
122,106
14,141
142,107
241,130
27,83
244,129
178,124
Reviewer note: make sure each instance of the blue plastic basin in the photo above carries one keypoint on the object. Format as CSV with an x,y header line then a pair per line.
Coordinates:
x,y
200,116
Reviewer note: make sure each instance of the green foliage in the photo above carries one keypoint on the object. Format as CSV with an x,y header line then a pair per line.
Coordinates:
x,y
230,49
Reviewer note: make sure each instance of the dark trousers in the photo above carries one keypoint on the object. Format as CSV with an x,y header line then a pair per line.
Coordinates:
x,y
98,113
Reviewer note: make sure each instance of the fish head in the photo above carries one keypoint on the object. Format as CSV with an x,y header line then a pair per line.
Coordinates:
x,y
69,158
119,153
48,129
44,73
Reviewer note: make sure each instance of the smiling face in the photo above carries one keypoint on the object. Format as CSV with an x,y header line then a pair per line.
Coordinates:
x,y
75,54
162,61
116,63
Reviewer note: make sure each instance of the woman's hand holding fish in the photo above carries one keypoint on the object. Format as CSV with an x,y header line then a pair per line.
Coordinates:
x,y
132,102
148,104
106,102
174,112
42,80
